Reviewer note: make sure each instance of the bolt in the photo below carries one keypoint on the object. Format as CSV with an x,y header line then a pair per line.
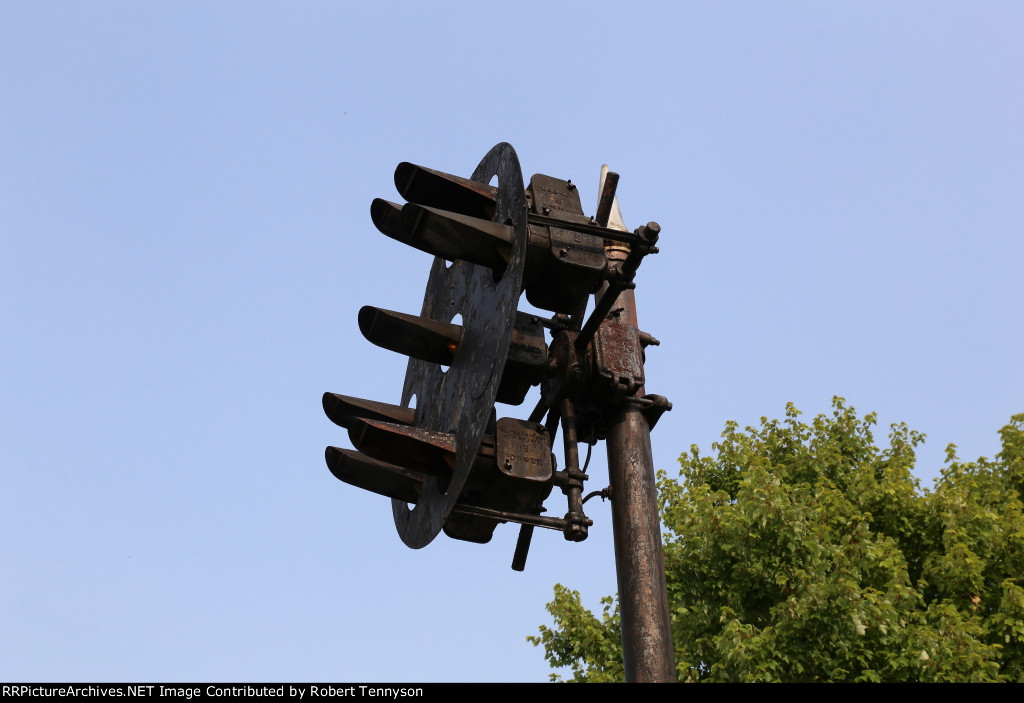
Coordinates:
x,y
546,210
570,185
508,462
563,253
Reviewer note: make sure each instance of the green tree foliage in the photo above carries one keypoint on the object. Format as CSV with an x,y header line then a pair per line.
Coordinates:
x,y
806,553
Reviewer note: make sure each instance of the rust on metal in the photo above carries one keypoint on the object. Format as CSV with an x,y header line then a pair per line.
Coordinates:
x,y
424,451
450,235
431,341
443,456
460,401
648,651
618,360
551,523
429,187
364,472
341,409
521,449
527,359
607,198
578,523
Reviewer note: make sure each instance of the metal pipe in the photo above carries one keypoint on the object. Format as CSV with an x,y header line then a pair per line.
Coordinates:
x,y
647,650
648,655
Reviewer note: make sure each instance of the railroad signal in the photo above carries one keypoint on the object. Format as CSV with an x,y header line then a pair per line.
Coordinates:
x,y
449,463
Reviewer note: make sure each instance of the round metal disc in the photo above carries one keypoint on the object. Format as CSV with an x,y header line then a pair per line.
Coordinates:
x,y
459,401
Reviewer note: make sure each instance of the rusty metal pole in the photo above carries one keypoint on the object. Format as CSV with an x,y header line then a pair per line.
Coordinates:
x,y
648,654
647,650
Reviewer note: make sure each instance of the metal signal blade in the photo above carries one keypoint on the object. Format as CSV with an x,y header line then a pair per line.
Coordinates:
x,y
437,189
387,217
456,236
443,233
384,479
341,409
412,448
429,340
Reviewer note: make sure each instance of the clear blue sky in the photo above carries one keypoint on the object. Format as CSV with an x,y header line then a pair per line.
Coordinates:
x,y
184,211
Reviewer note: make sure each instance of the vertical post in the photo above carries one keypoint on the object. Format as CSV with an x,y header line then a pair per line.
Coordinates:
x,y
647,651
648,655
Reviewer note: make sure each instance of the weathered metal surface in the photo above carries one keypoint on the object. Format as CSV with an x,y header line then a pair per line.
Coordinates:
x,y
442,457
556,198
443,233
525,530
387,218
342,409
577,528
648,652
512,474
425,451
527,359
564,266
622,265
527,345
478,241
521,449
459,401
652,411
618,360
361,471
426,186
551,523
563,263
433,341
606,201
578,250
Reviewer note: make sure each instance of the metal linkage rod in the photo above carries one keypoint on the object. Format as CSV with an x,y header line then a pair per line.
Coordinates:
x,y
624,270
552,523
574,490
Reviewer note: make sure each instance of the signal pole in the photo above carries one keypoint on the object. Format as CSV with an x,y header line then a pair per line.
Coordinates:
x,y
648,655
647,652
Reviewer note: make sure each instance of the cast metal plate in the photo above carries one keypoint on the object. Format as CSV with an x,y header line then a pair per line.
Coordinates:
x,y
459,401
522,450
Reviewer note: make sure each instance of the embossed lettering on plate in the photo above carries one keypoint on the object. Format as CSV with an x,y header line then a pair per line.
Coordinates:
x,y
522,450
